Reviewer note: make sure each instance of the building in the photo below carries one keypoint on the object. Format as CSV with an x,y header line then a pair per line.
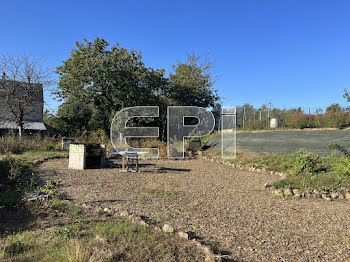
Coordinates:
x,y
21,100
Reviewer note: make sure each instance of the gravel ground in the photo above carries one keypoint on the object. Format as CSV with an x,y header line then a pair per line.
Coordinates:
x,y
221,204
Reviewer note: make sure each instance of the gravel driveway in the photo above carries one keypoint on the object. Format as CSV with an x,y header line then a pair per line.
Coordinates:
x,y
225,205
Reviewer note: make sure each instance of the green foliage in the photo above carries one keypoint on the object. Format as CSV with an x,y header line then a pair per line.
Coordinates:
x,y
51,188
303,162
96,81
64,232
10,197
161,193
340,148
15,145
334,108
342,166
15,247
191,83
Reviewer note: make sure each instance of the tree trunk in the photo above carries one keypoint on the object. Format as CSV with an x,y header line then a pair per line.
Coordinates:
x,y
20,130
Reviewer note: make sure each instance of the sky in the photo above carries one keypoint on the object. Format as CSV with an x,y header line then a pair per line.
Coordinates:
x,y
288,52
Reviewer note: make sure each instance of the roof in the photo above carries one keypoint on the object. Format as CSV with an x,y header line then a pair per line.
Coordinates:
x,y
27,125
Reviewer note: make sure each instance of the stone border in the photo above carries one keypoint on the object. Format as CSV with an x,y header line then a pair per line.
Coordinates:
x,y
243,167
39,162
210,256
342,193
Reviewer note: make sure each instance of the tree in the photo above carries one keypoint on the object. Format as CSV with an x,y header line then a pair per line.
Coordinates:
x,y
192,83
108,78
334,108
21,89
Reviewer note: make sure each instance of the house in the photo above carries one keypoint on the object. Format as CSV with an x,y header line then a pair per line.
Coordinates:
x,y
21,100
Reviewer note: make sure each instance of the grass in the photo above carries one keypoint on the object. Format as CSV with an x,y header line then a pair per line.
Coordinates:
x,y
110,240
161,193
72,233
307,171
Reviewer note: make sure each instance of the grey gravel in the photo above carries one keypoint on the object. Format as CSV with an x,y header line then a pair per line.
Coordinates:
x,y
220,204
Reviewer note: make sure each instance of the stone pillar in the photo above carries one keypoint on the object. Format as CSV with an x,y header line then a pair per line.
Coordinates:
x,y
77,156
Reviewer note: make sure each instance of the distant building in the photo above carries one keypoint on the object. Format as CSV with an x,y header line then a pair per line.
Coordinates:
x,y
33,109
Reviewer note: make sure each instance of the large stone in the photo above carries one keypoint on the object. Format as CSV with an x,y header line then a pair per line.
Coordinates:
x,y
316,194
288,192
278,192
347,195
267,186
35,196
183,235
296,192
334,195
124,214
209,259
326,196
167,228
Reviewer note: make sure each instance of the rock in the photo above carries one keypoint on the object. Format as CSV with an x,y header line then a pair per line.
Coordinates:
x,y
100,239
35,196
307,193
142,222
288,192
347,195
316,194
183,235
167,228
341,195
296,192
124,214
207,251
84,205
334,195
209,259
326,196
267,186
107,210
278,192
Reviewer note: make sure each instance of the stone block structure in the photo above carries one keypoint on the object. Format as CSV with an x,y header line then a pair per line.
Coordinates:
x,y
82,156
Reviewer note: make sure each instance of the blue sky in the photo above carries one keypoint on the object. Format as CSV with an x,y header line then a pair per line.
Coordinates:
x,y
288,52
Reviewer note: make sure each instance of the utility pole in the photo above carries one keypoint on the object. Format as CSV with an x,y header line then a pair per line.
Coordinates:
x,y
243,115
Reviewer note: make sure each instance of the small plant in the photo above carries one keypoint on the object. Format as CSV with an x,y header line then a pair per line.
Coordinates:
x,y
342,166
161,193
15,247
303,162
340,148
50,187
63,232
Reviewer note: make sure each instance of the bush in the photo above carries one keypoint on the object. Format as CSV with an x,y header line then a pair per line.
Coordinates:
x,y
303,162
342,166
16,145
300,120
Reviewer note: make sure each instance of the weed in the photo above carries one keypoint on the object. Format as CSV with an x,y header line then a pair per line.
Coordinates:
x,y
161,193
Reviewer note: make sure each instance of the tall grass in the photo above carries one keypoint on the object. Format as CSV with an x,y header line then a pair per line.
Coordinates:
x,y
17,145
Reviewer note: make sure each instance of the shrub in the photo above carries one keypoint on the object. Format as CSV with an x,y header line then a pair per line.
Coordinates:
x,y
342,166
303,162
300,120
16,145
